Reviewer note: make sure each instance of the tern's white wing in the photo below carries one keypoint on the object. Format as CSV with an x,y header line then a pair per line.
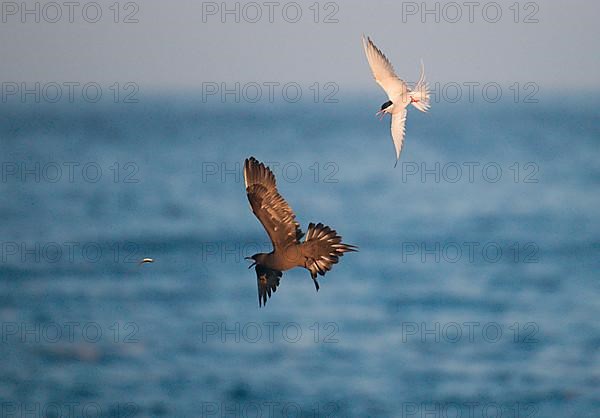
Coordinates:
x,y
398,127
383,71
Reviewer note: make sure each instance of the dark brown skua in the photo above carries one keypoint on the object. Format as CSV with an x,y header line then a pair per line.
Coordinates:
x,y
319,251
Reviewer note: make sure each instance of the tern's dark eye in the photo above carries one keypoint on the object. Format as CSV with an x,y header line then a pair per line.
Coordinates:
x,y
386,105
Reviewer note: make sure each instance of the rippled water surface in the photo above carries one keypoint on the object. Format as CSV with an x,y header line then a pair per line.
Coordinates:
x,y
474,285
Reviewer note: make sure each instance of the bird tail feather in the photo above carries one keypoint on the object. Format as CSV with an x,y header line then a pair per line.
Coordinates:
x,y
420,93
322,249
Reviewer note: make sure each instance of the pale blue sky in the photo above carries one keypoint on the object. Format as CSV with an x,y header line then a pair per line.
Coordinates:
x,y
172,48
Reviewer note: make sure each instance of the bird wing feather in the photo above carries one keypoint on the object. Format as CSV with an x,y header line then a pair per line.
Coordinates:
x,y
267,280
273,212
383,71
398,129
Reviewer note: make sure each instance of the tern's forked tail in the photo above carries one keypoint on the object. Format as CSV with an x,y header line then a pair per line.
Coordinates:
x,y
421,99
322,249
420,94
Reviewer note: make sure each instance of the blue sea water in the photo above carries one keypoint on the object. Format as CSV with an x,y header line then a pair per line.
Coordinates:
x,y
475,289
